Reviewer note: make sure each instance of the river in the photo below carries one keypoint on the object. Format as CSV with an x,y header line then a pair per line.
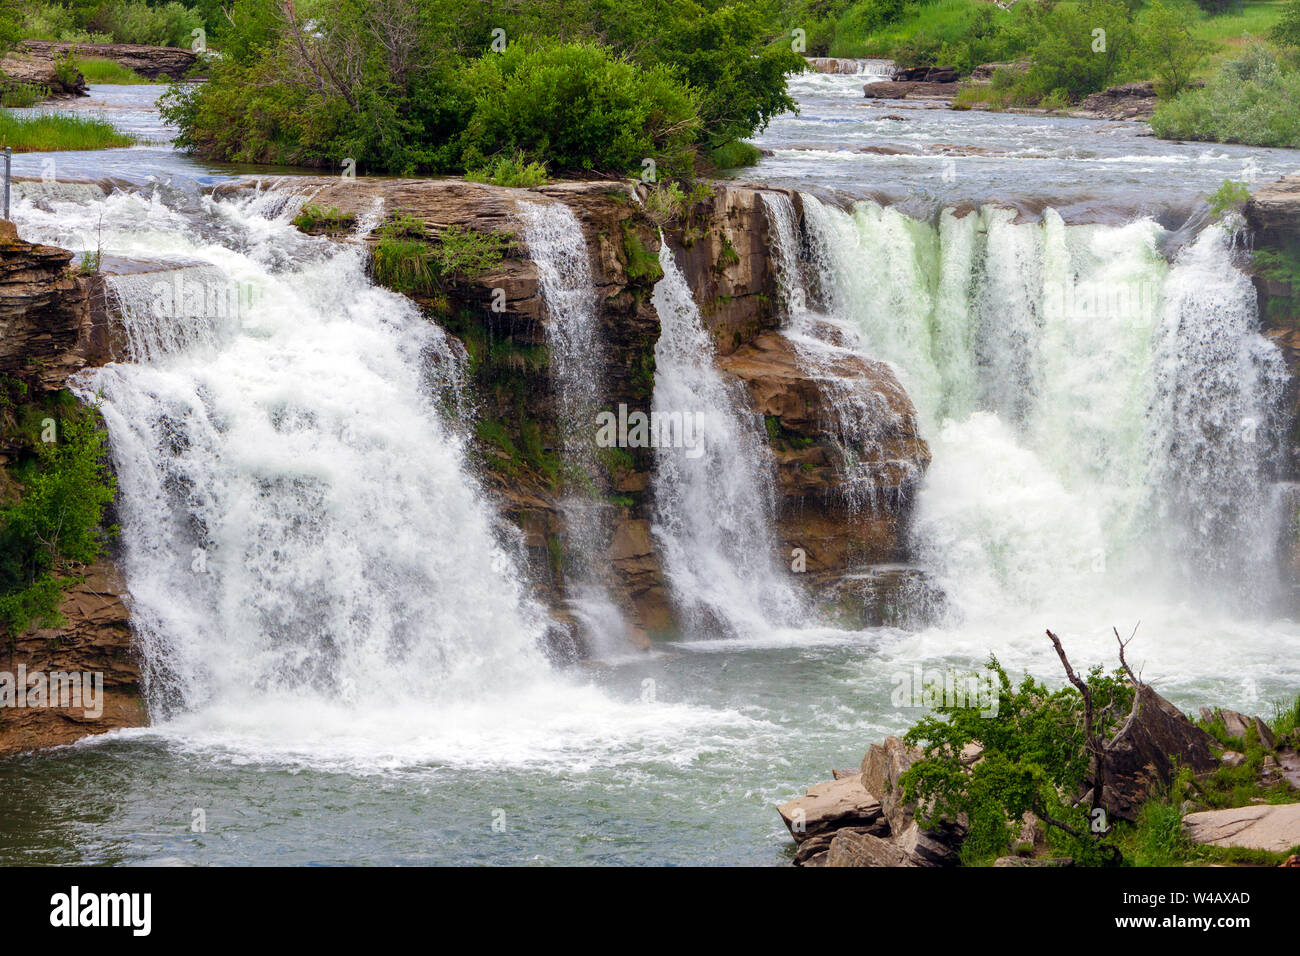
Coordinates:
x,y
347,522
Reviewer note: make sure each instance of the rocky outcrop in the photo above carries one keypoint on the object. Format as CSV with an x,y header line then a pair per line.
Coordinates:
x,y
1273,212
53,323
1160,741
36,69
1128,101
150,62
1273,218
983,73
51,319
926,74
910,89
862,820
1275,828
94,643
841,517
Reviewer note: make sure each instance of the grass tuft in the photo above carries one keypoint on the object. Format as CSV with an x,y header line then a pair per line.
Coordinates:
x,y
46,132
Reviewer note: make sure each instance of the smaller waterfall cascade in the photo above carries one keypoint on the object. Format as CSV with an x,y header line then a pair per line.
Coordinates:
x,y
714,508
577,355
863,410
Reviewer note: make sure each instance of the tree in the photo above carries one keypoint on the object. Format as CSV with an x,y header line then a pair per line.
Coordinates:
x,y
1286,32
1042,751
1172,50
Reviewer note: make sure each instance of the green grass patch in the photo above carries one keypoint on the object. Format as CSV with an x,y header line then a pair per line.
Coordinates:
x,y
22,95
405,261
99,70
734,155
46,132
641,264
313,218
513,171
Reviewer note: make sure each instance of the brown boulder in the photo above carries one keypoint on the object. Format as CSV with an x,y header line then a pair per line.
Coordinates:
x,y
830,806
1160,739
1128,101
855,848
902,89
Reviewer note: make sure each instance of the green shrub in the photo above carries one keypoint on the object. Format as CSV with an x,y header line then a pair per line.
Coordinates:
x,y
65,67
511,171
1250,100
1034,759
135,21
581,110
1171,50
1231,195
312,218
58,519
734,155
1286,32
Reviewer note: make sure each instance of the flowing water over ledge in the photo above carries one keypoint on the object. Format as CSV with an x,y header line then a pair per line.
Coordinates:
x,y
356,678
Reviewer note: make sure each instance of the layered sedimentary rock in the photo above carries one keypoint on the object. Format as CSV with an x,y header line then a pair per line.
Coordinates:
x,y
93,643
150,62
52,323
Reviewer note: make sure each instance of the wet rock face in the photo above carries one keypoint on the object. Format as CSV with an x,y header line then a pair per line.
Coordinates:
x,y
96,640
45,315
843,495
722,245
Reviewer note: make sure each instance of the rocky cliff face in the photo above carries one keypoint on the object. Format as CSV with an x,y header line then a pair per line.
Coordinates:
x,y
95,639
723,247
1273,218
51,318
52,324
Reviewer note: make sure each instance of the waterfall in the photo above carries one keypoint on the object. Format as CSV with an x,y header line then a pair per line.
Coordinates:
x,y
1100,419
297,523
862,413
577,362
1217,428
713,511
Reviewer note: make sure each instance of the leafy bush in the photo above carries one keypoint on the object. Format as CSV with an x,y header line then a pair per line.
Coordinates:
x,y
1173,53
65,489
582,110
511,171
1229,196
1249,100
590,86
405,261
1074,58
1034,759
22,95
135,21
113,21
1286,32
